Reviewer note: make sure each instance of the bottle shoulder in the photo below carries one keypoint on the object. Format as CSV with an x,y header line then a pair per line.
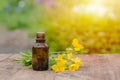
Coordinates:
x,y
40,45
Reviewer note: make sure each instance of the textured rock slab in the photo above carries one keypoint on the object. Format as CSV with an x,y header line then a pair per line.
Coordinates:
x,y
95,67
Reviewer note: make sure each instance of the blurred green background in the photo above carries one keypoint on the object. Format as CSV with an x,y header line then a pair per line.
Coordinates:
x,y
95,23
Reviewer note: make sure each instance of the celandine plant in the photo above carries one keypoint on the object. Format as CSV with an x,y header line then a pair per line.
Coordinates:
x,y
61,62
66,61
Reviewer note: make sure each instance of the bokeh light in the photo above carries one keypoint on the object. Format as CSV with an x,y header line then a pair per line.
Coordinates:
x,y
95,23
94,7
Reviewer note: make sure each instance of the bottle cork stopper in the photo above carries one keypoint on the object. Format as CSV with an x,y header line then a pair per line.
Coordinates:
x,y
41,35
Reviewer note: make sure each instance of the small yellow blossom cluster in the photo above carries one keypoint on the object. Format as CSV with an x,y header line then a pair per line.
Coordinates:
x,y
60,64
66,62
76,45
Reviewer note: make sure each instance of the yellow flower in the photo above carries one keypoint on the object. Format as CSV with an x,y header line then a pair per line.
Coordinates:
x,y
66,62
77,61
73,67
75,42
69,56
59,57
61,69
55,68
58,68
76,64
80,46
76,45
61,62
77,49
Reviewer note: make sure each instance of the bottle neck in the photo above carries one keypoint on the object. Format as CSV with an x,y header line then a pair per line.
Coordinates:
x,y
40,40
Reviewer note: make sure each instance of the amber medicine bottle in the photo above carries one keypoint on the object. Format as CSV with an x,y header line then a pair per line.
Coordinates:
x,y
40,52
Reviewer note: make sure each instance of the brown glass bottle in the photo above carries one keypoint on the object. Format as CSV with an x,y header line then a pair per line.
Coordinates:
x,y
40,53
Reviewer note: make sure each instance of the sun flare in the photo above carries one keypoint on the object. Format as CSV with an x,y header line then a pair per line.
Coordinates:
x,y
96,9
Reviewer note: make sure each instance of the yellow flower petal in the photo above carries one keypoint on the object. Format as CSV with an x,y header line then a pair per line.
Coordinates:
x,y
75,42
77,61
73,67
61,62
69,56
62,69
60,57
77,49
76,45
55,68
58,68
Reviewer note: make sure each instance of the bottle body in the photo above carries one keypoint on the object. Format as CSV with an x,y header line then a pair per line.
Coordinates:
x,y
40,54
40,57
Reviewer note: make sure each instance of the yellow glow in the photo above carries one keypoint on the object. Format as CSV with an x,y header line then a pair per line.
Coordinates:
x,y
94,8
77,9
97,1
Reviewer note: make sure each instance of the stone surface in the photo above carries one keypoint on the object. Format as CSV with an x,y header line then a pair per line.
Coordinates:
x,y
95,67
